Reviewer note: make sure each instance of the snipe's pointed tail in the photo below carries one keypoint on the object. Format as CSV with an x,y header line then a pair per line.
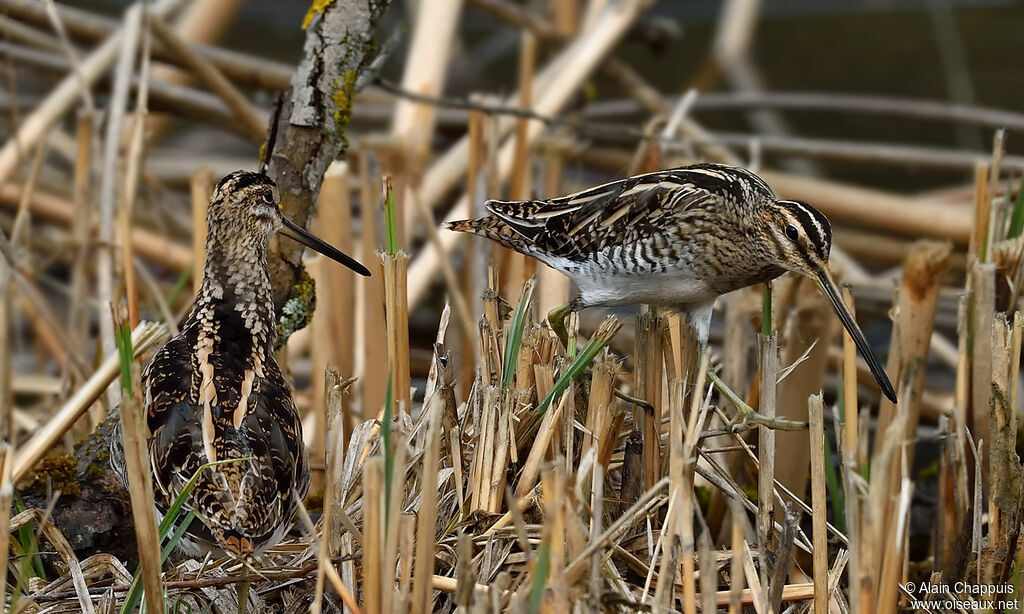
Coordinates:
x,y
496,229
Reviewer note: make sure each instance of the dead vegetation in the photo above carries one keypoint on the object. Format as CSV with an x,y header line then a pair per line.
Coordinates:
x,y
464,460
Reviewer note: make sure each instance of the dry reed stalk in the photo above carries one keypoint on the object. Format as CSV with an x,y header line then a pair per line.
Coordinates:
x,y
135,436
371,338
876,531
374,580
736,575
982,280
406,547
766,451
978,247
144,338
556,84
396,314
683,471
426,519
648,376
819,501
327,539
200,22
151,245
553,489
850,407
1006,474
600,402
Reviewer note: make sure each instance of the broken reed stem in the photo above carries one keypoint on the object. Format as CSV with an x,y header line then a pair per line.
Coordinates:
x,y
371,329
134,437
736,575
394,264
850,408
427,514
766,450
648,376
982,279
819,501
373,535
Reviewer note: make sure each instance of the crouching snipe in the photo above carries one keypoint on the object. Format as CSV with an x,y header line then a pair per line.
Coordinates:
x,y
677,238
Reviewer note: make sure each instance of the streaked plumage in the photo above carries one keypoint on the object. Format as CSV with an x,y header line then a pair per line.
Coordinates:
x,y
677,238
215,391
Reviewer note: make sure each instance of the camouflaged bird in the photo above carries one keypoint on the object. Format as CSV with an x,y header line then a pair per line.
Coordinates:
x,y
216,393
676,238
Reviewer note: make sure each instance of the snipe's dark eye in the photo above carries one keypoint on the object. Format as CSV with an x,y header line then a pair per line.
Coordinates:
x,y
792,232
268,196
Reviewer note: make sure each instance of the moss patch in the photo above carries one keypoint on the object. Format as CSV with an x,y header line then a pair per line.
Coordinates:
x,y
59,472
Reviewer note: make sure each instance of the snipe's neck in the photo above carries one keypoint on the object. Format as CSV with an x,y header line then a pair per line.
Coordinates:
x,y
236,285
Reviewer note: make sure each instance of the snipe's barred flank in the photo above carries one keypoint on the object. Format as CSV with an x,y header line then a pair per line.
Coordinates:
x,y
215,392
676,238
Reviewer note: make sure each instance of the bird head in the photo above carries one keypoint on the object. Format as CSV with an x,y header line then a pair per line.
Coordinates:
x,y
803,239
247,202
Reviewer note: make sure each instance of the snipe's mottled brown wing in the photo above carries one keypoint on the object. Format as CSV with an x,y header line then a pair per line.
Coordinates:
x,y
618,213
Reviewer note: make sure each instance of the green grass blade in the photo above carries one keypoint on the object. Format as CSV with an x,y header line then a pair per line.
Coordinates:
x,y
835,490
766,310
515,340
390,225
601,337
123,339
1017,220
540,577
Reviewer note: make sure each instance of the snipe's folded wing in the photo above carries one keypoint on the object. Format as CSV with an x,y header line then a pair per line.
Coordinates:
x,y
579,225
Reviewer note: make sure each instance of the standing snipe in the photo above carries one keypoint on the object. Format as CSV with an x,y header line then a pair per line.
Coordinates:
x,y
215,391
676,238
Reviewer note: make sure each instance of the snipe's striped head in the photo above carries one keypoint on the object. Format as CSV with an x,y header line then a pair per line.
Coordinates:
x,y
802,240
248,203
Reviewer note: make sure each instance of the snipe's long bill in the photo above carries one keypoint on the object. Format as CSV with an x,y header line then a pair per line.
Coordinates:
x,y
215,393
676,238
828,288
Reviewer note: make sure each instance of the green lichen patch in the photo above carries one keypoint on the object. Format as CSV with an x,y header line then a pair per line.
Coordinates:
x,y
342,98
298,311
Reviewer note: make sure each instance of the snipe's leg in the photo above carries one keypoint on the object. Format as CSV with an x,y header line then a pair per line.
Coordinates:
x,y
557,316
634,400
745,414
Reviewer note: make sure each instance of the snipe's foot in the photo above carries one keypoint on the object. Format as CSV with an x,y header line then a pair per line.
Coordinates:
x,y
746,415
556,319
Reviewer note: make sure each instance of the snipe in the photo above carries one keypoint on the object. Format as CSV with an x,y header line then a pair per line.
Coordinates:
x,y
677,238
215,392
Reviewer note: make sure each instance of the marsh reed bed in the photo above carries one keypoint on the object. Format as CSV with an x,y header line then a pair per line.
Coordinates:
x,y
464,460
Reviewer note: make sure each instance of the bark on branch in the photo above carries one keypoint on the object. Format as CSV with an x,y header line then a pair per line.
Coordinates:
x,y
310,128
